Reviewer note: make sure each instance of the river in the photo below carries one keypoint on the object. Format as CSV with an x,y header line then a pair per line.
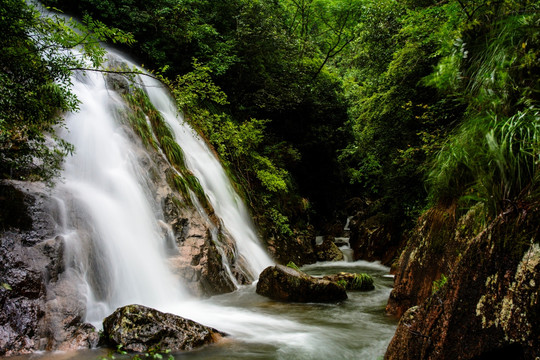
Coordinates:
x,y
263,329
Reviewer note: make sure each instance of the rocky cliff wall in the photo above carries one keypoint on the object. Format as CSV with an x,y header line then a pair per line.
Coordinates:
x,y
40,307
488,306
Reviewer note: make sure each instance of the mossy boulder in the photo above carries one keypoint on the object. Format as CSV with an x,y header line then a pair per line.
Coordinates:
x,y
286,284
352,281
140,328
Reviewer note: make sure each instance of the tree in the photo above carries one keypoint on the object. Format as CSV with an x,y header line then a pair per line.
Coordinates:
x,y
36,67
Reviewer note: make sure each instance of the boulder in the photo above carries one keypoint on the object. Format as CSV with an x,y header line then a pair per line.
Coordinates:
x,y
351,281
139,328
328,251
299,248
286,284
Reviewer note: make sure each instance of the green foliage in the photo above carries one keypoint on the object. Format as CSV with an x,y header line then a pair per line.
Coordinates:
x,y
362,282
154,353
35,81
292,265
492,156
489,159
438,284
389,112
343,283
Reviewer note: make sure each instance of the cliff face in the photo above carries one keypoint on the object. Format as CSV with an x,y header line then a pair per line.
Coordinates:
x,y
486,305
40,307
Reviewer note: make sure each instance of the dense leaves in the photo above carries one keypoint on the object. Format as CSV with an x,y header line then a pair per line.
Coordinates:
x,y
36,67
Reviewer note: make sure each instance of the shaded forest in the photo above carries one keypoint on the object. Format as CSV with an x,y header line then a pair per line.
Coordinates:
x,y
309,103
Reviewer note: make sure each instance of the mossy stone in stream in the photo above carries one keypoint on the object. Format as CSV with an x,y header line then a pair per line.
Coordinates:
x,y
286,284
139,328
352,281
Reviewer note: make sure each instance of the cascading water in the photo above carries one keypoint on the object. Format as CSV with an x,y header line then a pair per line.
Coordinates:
x,y
112,215
228,206
111,226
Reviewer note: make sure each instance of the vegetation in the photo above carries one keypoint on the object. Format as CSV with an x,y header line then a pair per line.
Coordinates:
x,y
36,65
362,281
309,103
292,265
154,132
438,284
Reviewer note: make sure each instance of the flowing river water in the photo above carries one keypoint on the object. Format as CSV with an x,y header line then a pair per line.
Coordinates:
x,y
114,245
264,329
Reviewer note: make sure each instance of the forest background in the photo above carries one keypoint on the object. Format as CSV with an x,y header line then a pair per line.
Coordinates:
x,y
314,106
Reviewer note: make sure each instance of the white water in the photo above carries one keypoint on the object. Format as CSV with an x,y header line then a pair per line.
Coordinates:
x,y
227,204
111,227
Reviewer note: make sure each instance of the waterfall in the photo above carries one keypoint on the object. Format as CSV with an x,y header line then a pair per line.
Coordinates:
x,y
112,223
112,235
117,242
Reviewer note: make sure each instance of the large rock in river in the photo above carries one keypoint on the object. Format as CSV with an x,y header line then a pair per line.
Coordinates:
x,y
139,328
286,284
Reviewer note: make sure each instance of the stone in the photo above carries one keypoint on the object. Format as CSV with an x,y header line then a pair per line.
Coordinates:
x,y
374,238
488,307
299,248
286,284
197,259
139,328
328,251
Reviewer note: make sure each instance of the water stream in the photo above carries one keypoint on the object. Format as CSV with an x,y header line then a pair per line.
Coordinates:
x,y
111,227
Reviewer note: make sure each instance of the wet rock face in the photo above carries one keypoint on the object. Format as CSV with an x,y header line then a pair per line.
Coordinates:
x,y
139,328
374,238
197,260
432,250
285,284
489,306
298,249
31,269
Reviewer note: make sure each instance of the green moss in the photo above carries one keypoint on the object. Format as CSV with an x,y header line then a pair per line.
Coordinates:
x,y
178,183
342,283
173,152
143,113
361,282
